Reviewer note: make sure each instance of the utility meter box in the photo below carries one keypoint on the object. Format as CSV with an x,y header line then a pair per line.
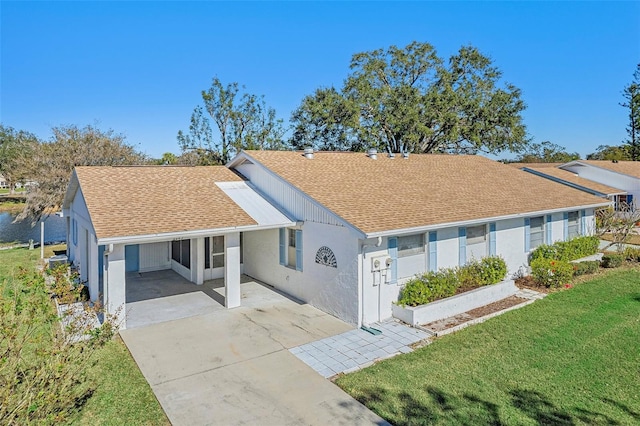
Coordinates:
x,y
380,263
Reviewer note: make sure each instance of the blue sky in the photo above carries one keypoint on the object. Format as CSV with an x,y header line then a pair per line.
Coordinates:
x,y
139,67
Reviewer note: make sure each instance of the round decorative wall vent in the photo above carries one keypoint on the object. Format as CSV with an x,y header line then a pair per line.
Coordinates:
x,y
325,256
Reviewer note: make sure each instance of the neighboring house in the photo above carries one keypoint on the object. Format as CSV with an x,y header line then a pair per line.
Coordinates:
x,y
3,182
618,174
341,231
569,178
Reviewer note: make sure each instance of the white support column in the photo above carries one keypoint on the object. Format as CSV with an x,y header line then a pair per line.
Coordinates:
x,y
115,283
93,268
232,270
198,265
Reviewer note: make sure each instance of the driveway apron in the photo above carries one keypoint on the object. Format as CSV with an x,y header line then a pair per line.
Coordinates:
x,y
234,367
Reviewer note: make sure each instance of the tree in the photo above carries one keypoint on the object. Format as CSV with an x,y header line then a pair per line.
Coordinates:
x,y
243,121
71,146
546,152
619,224
631,94
16,153
409,100
610,153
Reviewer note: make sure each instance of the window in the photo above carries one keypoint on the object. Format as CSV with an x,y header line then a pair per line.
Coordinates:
x,y
218,252
476,235
536,232
573,225
410,245
290,241
181,252
291,251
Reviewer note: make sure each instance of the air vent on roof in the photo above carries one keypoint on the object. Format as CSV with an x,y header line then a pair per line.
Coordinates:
x,y
308,153
372,153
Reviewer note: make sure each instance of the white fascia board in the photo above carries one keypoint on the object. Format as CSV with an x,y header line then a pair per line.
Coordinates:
x,y
471,222
242,155
579,163
183,235
72,188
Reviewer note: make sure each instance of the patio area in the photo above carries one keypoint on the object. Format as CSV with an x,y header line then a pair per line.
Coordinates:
x,y
159,296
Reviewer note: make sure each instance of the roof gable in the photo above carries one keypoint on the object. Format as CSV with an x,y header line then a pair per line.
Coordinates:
x,y
629,168
568,176
422,190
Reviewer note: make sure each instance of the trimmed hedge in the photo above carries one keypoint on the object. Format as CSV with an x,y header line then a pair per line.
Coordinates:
x,y
445,282
612,260
587,267
567,250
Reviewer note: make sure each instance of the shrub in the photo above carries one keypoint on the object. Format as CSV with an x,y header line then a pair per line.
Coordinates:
x,y
587,267
567,250
632,254
551,273
612,260
428,287
486,271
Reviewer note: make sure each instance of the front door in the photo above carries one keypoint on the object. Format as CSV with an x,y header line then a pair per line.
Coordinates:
x,y
213,257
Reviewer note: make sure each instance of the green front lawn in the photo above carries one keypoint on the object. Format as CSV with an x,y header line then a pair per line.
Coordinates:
x,y
571,358
120,395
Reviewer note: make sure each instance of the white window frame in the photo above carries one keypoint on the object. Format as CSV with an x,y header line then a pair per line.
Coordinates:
x,y
291,248
478,239
573,227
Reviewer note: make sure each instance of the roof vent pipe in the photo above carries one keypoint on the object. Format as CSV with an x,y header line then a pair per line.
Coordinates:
x,y
308,153
405,155
372,153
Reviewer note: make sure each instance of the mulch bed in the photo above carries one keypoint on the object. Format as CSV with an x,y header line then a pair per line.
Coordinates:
x,y
480,312
529,283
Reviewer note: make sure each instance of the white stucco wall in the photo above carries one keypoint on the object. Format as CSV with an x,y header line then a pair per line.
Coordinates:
x,y
83,250
333,290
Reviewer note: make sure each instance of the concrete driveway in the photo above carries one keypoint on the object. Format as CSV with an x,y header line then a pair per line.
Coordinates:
x,y
234,367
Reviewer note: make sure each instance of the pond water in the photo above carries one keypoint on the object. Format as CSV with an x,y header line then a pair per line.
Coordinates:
x,y
54,229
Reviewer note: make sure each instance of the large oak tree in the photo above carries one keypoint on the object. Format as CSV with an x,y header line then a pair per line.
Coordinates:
x,y
409,99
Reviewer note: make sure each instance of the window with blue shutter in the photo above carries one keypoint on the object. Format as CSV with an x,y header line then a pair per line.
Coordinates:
x,y
549,230
583,222
283,253
527,234
433,251
392,245
298,250
492,239
462,246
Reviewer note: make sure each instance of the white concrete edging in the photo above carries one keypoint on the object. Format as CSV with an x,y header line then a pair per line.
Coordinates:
x,y
455,305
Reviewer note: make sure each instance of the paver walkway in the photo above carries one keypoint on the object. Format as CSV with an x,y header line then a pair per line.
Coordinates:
x,y
357,348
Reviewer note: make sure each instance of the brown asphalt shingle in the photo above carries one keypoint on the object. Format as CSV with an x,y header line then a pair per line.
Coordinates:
x,y
145,200
387,194
573,178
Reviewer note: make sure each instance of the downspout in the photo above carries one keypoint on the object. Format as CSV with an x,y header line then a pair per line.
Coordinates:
x,y
363,255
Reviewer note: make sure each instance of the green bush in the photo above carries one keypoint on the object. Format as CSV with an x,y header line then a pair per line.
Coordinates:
x,y
632,254
428,287
432,286
551,273
486,271
612,260
587,267
567,250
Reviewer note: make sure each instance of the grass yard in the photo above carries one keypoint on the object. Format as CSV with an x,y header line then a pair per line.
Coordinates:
x,y
121,395
571,358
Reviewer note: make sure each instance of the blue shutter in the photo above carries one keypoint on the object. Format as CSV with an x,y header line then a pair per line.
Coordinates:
x,y
283,239
565,218
433,251
583,222
392,245
630,200
462,246
548,229
298,250
492,239
527,234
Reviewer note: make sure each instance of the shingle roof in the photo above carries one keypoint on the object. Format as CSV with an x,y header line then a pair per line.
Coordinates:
x,y
536,165
389,194
631,168
146,200
573,178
